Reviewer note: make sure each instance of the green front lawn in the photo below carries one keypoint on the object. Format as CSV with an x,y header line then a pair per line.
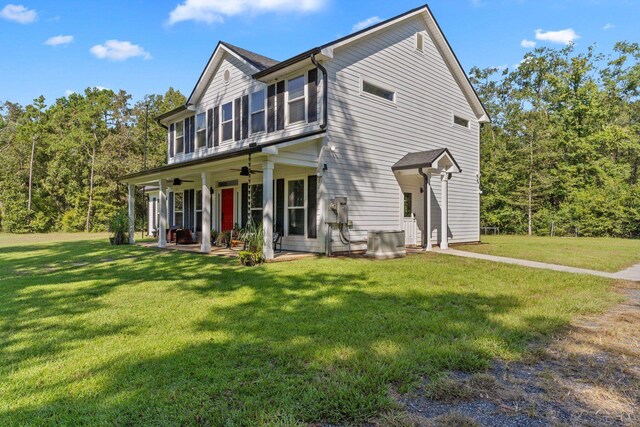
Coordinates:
x,y
99,335
604,254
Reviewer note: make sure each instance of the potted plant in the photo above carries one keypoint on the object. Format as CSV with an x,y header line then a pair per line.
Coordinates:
x,y
253,240
119,227
214,236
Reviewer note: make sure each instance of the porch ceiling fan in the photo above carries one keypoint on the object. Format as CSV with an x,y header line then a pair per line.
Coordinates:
x,y
177,181
246,171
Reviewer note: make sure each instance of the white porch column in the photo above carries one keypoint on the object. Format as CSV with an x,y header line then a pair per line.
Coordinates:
x,y
267,209
205,246
444,208
162,210
427,194
132,214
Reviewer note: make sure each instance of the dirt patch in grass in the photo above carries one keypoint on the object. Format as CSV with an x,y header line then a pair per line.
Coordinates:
x,y
588,375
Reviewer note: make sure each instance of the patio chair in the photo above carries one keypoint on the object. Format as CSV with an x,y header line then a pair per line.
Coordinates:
x,y
277,240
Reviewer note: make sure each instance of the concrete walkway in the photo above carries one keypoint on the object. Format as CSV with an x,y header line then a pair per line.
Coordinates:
x,y
631,273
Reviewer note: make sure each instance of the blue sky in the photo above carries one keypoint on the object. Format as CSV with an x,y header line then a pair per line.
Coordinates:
x,y
143,46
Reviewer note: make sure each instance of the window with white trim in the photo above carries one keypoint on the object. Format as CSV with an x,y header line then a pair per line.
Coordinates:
x,y
257,111
419,42
201,130
256,203
198,210
178,206
227,121
378,91
297,104
295,207
180,137
460,121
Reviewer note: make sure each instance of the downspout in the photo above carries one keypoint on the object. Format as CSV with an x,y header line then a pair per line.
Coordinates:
x,y
425,203
325,91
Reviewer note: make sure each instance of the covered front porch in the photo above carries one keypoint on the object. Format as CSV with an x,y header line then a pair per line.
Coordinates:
x,y
223,251
276,188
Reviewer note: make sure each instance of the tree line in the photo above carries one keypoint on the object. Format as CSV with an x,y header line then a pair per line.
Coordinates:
x,y
563,148
60,163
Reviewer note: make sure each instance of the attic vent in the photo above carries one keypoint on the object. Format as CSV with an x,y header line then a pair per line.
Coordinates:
x,y
226,76
419,41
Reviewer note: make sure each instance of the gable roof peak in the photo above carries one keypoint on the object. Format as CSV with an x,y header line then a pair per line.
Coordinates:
x,y
261,62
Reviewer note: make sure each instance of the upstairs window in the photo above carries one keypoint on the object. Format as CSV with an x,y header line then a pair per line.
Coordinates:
x,y
257,111
180,137
201,130
378,91
227,121
460,121
296,100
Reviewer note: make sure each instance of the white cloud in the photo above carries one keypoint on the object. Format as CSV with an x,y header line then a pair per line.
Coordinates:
x,y
528,43
19,14
211,11
58,40
69,92
608,26
366,23
116,50
562,36
101,88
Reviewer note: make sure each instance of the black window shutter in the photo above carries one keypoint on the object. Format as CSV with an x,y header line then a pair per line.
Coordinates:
x,y
271,105
279,205
216,127
312,90
192,205
312,206
187,136
236,119
280,105
209,128
244,203
245,116
170,219
192,134
153,214
171,140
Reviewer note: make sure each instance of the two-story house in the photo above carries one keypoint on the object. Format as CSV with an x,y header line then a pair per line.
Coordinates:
x,y
385,117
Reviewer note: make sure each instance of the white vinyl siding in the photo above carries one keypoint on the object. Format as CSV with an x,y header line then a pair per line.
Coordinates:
x,y
371,134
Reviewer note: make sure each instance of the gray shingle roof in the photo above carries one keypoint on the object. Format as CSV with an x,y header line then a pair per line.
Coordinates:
x,y
421,159
261,62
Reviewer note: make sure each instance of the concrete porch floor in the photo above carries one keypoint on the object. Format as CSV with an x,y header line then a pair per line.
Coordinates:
x,y
232,253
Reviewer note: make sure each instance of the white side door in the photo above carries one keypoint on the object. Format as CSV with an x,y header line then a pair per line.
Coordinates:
x,y
410,231
409,222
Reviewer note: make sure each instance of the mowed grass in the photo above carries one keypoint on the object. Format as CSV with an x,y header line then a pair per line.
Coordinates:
x,y
603,254
92,334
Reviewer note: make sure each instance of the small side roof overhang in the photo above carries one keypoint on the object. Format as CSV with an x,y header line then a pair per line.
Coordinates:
x,y
439,158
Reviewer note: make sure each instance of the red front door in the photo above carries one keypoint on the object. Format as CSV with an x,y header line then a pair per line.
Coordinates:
x,y
227,209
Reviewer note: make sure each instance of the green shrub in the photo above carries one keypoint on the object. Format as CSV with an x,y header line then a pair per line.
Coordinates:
x,y
250,258
119,226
